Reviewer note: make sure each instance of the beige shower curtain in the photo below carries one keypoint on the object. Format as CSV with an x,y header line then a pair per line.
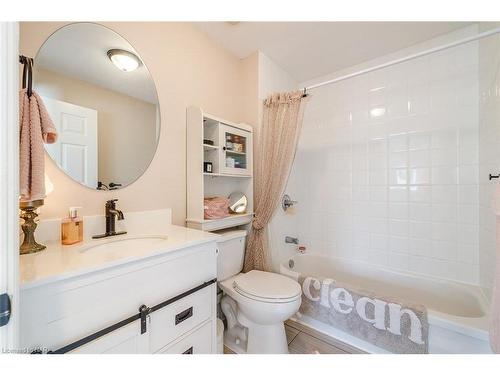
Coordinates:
x,y
495,310
277,141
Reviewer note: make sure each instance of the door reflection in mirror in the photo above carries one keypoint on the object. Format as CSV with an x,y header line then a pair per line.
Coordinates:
x,y
107,117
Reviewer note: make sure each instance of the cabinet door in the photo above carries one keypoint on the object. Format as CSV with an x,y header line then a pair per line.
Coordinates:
x,y
236,152
197,342
126,340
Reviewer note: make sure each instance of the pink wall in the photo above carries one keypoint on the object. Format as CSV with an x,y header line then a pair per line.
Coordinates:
x,y
188,69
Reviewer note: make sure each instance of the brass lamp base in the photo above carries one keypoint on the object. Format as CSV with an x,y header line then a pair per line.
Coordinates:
x,y
28,214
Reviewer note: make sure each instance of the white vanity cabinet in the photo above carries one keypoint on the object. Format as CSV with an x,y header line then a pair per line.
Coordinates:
x,y
59,312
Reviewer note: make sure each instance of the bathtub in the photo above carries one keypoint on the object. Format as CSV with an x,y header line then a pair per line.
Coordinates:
x,y
457,313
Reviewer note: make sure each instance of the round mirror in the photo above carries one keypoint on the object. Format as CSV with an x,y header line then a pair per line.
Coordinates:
x,y
103,103
238,203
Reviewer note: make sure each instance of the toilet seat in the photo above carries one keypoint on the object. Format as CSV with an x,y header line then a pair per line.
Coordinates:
x,y
267,287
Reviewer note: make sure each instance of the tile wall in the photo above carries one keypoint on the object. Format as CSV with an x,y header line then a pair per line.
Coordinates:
x,y
489,155
387,168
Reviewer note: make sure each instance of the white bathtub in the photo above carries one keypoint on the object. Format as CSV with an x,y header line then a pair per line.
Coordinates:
x,y
457,313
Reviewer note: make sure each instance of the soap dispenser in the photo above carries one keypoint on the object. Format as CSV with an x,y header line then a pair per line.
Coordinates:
x,y
72,228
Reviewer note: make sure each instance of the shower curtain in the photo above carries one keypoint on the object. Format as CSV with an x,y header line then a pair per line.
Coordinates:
x,y
495,311
277,142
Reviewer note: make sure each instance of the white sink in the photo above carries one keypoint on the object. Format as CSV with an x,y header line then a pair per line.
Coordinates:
x,y
124,242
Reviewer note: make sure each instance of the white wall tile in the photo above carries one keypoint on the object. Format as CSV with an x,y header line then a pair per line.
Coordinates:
x,y
420,211
419,176
378,193
444,175
398,176
398,261
469,174
401,189
398,159
419,158
398,143
420,141
444,194
399,244
420,194
444,213
398,210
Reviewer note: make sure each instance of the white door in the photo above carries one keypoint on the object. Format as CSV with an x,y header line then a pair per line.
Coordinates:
x,y
76,148
9,186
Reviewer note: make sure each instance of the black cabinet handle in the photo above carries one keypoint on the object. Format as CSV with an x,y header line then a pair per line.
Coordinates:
x,y
182,316
189,351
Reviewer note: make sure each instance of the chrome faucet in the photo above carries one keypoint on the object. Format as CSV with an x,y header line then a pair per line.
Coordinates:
x,y
293,240
111,214
287,202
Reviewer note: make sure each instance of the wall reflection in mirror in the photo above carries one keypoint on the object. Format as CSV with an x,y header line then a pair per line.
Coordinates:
x,y
103,102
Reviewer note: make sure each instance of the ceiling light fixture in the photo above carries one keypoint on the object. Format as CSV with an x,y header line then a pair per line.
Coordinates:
x,y
124,60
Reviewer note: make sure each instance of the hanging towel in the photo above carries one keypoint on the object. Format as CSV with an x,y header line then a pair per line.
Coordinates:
x,y
36,128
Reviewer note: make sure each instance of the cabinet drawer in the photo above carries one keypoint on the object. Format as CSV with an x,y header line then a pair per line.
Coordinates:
x,y
197,342
180,317
126,340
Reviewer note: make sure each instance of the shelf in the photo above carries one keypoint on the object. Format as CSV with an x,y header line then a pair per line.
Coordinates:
x,y
216,224
202,127
210,121
226,175
210,147
235,152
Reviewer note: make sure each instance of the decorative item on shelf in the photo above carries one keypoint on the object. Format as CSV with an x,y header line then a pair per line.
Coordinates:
x,y
238,203
230,162
216,208
208,167
208,142
29,215
229,143
238,147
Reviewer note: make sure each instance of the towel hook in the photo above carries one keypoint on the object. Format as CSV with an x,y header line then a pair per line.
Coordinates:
x,y
27,73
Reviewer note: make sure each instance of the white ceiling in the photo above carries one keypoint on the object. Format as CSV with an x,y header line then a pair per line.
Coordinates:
x,y
307,50
79,51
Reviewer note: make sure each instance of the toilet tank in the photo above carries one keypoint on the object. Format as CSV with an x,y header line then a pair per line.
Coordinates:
x,y
231,246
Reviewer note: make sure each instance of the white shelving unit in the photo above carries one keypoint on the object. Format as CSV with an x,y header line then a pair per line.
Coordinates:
x,y
231,154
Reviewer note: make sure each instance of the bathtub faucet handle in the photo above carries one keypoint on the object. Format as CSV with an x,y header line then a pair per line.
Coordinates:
x,y
287,202
293,240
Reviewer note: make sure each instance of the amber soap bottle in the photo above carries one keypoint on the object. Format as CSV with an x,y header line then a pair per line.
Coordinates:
x,y
72,228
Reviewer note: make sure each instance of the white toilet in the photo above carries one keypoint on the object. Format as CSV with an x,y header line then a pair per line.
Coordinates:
x,y
255,303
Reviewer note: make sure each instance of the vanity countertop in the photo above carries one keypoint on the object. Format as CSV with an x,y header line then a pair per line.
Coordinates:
x,y
59,262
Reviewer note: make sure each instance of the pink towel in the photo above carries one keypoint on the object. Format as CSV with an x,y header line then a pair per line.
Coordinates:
x,y
36,127
216,208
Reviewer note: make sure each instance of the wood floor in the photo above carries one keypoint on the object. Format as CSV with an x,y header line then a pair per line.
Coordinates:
x,y
304,340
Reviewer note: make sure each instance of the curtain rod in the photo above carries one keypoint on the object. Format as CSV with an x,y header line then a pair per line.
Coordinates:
x,y
403,59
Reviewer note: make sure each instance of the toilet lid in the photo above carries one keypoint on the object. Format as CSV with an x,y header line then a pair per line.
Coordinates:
x,y
267,285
